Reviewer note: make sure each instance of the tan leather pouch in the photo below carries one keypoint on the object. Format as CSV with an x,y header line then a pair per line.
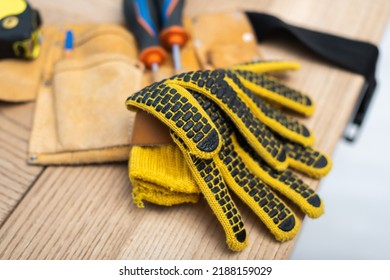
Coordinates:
x,y
80,114
223,39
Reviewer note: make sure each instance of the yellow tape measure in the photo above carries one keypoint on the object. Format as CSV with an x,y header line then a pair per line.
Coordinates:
x,y
11,7
10,22
19,30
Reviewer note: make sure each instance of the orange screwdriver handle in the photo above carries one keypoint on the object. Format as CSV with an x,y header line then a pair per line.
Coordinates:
x,y
142,19
174,35
152,55
171,16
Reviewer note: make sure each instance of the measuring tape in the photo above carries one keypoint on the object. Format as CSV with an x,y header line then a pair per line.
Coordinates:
x,y
19,30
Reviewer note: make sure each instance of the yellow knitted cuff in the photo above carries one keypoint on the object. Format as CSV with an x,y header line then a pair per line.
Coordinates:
x,y
144,191
160,175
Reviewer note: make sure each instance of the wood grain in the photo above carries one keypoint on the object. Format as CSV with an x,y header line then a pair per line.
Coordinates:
x,y
16,177
86,212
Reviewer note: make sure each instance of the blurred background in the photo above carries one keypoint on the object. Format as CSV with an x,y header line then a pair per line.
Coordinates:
x,y
357,189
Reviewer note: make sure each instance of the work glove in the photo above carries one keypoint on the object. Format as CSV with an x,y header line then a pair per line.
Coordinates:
x,y
223,131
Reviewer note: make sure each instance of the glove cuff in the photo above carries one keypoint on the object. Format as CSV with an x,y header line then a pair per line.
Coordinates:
x,y
159,176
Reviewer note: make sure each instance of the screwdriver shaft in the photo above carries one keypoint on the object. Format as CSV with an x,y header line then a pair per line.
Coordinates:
x,y
176,57
154,73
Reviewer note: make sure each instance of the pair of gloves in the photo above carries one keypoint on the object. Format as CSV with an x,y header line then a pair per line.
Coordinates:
x,y
230,134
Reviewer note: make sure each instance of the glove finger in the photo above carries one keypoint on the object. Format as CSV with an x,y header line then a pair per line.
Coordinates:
x,y
209,179
267,66
271,210
274,119
175,107
272,89
284,182
234,162
308,160
216,86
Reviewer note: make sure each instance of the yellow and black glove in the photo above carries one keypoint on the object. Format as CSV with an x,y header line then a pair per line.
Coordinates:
x,y
296,138
220,151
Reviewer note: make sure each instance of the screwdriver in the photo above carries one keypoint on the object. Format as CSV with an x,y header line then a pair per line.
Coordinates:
x,y
142,19
173,35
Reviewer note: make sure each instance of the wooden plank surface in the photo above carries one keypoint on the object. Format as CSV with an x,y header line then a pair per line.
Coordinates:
x,y
86,212
16,177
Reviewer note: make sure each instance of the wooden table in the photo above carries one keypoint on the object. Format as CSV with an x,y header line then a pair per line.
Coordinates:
x,y
86,212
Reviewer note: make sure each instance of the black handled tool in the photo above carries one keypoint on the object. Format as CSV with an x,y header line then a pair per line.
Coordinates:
x,y
142,19
173,36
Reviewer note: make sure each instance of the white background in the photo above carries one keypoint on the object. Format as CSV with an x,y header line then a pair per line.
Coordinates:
x,y
281,270
356,223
